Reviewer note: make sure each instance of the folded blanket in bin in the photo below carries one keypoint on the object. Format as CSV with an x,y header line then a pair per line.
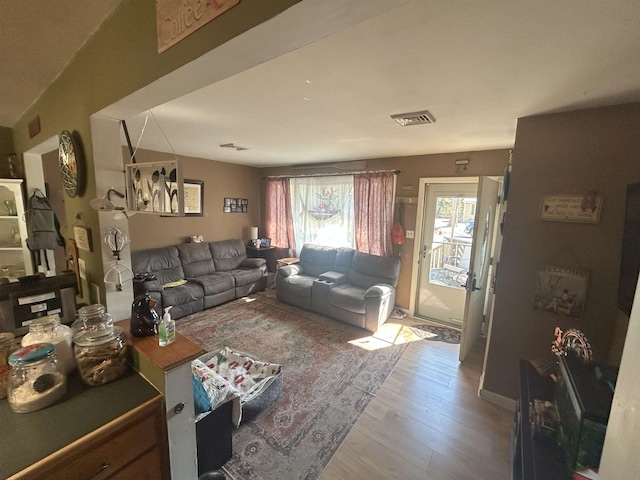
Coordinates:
x,y
232,375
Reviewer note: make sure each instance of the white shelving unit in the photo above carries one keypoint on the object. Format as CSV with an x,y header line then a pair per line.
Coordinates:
x,y
15,257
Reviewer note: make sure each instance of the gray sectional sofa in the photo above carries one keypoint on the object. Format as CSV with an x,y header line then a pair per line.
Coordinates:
x,y
193,276
354,287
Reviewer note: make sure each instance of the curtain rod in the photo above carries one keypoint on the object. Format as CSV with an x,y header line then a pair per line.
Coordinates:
x,y
396,172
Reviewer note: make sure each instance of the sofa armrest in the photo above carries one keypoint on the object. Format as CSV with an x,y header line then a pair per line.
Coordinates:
x,y
334,278
253,263
141,288
288,270
378,291
379,302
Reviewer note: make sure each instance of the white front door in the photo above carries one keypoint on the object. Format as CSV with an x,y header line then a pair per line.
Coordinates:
x,y
477,284
445,253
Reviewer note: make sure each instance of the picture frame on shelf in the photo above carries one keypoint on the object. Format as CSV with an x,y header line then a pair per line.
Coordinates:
x,y
265,243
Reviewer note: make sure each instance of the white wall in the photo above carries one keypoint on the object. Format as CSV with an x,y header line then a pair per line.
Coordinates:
x,y
620,458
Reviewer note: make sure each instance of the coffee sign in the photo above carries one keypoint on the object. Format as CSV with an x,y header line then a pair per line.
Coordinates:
x,y
177,19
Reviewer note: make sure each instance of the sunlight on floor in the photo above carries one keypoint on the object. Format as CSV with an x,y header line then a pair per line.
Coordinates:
x,y
390,334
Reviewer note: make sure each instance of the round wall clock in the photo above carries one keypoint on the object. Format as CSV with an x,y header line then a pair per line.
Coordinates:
x,y
71,165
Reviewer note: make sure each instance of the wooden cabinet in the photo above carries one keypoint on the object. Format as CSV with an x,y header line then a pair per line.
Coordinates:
x,y
104,432
130,443
534,457
169,370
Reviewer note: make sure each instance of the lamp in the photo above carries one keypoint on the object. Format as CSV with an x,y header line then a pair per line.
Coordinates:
x,y
105,204
253,237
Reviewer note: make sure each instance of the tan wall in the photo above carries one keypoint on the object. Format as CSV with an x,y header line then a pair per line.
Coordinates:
x,y
574,153
490,162
119,59
220,180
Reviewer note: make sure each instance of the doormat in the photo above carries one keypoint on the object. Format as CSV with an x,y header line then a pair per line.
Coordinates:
x,y
439,334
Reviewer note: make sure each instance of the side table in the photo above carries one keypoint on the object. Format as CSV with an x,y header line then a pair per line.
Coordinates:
x,y
268,253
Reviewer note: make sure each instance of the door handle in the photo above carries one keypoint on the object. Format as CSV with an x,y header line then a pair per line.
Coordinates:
x,y
473,284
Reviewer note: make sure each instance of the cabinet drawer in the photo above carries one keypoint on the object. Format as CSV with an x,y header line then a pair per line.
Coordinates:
x,y
106,451
124,447
146,467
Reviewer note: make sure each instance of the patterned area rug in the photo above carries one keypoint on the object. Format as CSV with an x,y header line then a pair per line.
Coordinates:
x,y
328,382
432,332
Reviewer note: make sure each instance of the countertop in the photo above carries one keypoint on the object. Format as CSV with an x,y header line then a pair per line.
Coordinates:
x,y
29,437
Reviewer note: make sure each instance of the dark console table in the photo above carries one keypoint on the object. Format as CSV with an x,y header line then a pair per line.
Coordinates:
x,y
268,253
535,457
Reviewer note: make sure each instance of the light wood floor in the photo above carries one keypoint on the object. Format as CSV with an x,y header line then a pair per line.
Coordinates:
x,y
427,422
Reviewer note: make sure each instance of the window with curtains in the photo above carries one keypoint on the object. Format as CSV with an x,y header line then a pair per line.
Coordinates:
x,y
322,210
351,210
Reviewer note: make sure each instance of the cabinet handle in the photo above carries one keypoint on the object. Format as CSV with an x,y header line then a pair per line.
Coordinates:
x,y
100,469
178,408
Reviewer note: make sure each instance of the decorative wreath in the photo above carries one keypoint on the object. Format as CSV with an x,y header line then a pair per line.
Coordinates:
x,y
572,342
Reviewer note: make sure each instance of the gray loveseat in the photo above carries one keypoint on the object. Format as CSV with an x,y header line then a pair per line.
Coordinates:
x,y
193,276
354,287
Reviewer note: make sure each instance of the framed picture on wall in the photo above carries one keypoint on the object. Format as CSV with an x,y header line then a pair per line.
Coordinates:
x,y
561,291
571,208
235,205
193,198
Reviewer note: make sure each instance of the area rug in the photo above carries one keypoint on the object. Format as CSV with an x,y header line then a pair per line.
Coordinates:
x,y
432,332
328,382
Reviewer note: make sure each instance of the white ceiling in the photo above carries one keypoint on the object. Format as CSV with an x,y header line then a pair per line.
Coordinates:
x,y
319,82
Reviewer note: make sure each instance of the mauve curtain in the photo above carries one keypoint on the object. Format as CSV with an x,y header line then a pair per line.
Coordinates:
x,y
279,221
373,199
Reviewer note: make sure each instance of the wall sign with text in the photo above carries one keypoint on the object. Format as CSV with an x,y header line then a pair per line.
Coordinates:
x,y
177,19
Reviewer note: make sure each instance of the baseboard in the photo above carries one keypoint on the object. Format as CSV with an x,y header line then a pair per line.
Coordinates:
x,y
496,398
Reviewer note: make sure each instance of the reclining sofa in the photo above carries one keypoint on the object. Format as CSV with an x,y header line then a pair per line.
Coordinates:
x,y
354,287
193,276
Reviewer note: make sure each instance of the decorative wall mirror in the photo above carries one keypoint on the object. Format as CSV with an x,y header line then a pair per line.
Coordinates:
x,y
155,187
71,163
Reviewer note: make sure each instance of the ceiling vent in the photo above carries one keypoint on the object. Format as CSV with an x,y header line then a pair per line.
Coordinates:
x,y
415,118
234,146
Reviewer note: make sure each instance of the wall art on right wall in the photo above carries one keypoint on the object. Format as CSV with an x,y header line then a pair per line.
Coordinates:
x,y
561,291
571,208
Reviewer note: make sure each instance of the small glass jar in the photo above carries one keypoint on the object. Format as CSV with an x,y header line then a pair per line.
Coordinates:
x,y
49,330
101,355
36,379
92,317
7,346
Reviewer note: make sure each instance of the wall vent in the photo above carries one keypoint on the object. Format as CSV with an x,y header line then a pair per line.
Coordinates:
x,y
234,146
414,118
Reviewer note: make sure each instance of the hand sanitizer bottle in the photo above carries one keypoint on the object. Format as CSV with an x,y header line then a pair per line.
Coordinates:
x,y
167,329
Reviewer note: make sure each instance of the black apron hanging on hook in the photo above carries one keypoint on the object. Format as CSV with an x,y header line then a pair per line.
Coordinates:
x,y
43,228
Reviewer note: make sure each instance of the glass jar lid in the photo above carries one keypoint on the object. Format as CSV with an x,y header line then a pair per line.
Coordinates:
x,y
89,338
30,354
44,324
92,317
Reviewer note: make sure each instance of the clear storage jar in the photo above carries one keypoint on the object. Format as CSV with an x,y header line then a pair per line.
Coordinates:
x,y
49,330
101,355
7,346
92,317
36,380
